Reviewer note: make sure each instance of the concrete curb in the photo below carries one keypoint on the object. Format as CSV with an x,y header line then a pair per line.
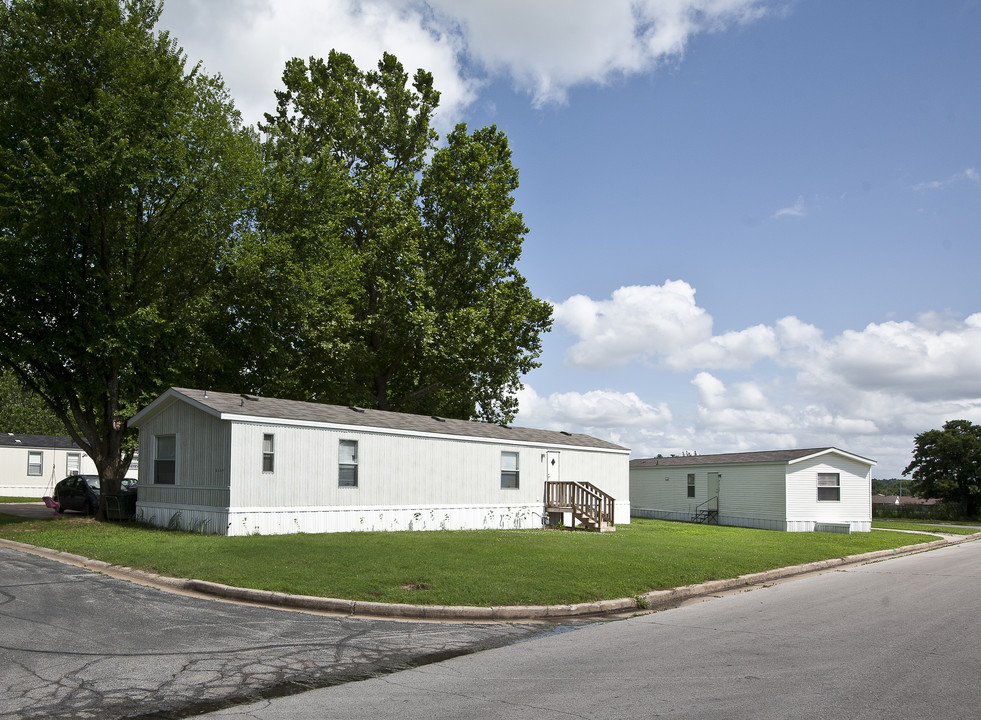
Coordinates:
x,y
654,600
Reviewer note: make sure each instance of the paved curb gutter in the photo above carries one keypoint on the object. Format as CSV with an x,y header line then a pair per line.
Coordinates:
x,y
656,599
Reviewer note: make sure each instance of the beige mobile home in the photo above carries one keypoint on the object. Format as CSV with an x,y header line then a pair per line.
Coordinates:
x,y
241,464
30,465
794,490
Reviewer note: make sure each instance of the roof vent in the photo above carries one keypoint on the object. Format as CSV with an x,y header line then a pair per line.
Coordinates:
x,y
355,408
246,397
565,432
438,419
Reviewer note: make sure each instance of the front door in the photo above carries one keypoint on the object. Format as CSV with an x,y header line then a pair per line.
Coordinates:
x,y
713,489
552,466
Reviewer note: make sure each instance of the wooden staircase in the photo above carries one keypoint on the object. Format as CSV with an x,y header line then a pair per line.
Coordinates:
x,y
589,505
707,512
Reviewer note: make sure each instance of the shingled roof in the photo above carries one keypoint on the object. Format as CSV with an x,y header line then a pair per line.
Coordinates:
x,y
229,406
766,456
37,441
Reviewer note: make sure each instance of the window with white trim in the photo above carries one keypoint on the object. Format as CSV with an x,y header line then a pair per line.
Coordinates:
x,y
35,462
347,463
829,487
509,469
267,453
165,460
691,485
73,463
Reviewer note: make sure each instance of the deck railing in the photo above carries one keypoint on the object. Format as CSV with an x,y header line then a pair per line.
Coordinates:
x,y
584,499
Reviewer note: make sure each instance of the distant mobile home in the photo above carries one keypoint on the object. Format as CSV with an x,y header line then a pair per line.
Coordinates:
x,y
824,489
241,464
30,465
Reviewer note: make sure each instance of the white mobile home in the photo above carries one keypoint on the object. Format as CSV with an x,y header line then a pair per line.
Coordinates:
x,y
241,464
30,465
793,490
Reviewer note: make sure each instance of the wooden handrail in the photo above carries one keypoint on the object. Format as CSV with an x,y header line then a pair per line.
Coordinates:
x,y
584,498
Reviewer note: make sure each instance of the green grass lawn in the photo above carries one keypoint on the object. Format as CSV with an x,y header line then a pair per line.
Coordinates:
x,y
481,567
10,499
922,526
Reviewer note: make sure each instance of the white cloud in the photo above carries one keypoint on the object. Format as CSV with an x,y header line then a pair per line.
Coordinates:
x,y
869,391
969,175
593,409
795,210
636,322
545,47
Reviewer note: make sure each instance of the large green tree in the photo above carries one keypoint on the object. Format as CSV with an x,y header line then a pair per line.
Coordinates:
x,y
122,178
400,254
22,411
947,464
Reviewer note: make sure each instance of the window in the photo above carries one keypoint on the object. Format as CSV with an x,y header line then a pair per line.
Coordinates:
x,y
691,485
509,470
74,464
267,453
165,460
347,464
829,487
35,461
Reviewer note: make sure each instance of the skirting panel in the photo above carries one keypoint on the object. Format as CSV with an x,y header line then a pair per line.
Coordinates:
x,y
283,521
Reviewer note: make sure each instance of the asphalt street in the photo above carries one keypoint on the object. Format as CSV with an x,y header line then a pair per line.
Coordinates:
x,y
78,644
896,639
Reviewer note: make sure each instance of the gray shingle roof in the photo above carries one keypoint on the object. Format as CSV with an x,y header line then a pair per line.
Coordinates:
x,y
262,407
766,456
36,441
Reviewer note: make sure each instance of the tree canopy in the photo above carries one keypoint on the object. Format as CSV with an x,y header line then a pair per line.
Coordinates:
x,y
947,464
122,178
388,264
22,412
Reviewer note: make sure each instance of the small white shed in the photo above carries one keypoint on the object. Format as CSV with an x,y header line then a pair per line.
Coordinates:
x,y
241,464
30,465
824,489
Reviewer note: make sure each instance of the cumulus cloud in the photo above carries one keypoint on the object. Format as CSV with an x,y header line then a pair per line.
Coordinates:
x,y
545,47
862,389
593,409
636,322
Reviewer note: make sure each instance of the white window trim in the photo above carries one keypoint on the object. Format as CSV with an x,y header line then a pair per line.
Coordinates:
x,y
39,464
269,454
515,474
836,486
341,465
156,459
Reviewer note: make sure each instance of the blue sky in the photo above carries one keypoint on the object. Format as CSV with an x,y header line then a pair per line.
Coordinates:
x,y
758,222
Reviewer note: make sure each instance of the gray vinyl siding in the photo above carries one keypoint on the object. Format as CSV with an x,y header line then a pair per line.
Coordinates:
x,y
202,468
746,492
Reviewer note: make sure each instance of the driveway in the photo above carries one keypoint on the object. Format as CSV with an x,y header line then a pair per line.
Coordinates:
x,y
77,644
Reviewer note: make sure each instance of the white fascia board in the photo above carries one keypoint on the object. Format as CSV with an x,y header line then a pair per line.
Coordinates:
x,y
372,429
834,451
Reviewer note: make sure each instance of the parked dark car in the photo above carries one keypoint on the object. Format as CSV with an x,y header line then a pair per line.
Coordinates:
x,y
81,493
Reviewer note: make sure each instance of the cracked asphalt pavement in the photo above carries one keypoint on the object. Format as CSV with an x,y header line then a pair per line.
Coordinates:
x,y
78,644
